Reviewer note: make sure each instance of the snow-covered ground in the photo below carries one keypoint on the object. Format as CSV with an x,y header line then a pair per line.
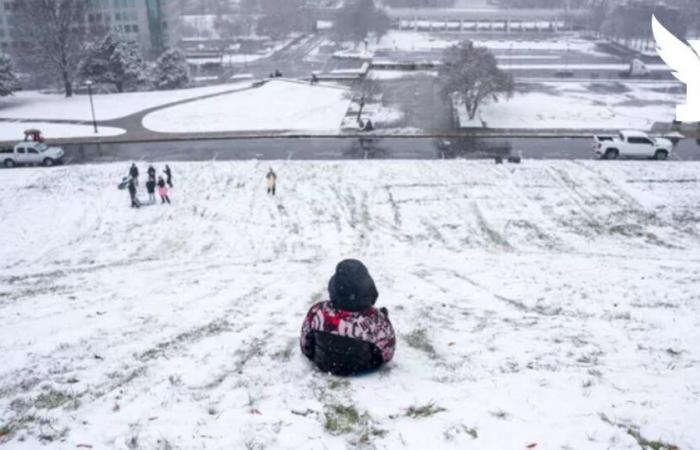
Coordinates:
x,y
582,106
417,41
35,105
554,304
278,105
15,130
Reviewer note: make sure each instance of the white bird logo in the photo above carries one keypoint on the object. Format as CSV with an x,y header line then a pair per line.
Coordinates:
x,y
685,61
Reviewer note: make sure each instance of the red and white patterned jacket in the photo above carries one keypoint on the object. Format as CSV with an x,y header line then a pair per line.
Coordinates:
x,y
369,325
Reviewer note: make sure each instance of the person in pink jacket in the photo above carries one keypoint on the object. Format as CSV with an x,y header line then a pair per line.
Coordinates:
x,y
163,191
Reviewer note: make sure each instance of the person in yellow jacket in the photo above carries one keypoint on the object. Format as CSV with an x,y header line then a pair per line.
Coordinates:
x,y
271,182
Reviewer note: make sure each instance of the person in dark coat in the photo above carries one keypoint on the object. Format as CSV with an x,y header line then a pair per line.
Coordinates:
x,y
168,176
163,191
151,173
151,188
132,193
134,172
348,335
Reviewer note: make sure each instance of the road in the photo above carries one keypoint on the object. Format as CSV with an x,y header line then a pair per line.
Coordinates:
x,y
345,149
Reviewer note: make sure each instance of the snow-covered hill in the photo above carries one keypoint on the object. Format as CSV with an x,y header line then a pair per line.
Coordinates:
x,y
553,304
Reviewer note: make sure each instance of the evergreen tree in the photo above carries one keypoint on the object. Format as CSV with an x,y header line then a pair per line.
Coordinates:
x,y
8,80
114,60
171,71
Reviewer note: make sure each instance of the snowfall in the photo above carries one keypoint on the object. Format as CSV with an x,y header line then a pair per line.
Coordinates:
x,y
551,305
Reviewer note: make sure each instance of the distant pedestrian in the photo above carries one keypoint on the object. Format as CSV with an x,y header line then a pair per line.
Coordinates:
x,y
163,191
278,74
168,176
151,188
369,126
314,78
134,172
151,173
132,193
271,182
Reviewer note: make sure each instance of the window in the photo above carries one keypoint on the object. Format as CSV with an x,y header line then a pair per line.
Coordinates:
x,y
639,140
33,152
21,150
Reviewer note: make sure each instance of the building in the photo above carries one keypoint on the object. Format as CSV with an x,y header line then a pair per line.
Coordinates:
x,y
154,24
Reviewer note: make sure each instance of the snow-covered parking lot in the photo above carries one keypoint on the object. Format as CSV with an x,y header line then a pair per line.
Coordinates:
x,y
551,305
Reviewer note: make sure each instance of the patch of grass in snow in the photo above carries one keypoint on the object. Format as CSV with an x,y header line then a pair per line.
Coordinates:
x,y
338,384
643,442
492,235
369,433
419,340
454,431
646,444
52,399
500,414
5,430
286,353
421,412
342,419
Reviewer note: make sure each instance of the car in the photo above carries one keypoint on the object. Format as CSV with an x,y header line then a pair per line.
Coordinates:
x,y
632,144
31,153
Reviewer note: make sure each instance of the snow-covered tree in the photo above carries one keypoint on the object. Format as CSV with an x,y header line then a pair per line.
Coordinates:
x,y
356,20
473,74
8,80
114,60
171,70
54,34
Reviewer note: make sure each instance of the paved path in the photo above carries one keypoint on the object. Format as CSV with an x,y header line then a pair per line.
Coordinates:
x,y
344,149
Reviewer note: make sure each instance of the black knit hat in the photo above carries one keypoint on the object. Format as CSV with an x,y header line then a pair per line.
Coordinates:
x,y
352,288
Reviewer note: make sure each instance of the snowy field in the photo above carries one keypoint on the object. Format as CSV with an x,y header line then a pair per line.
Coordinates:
x,y
278,105
552,305
566,105
35,105
14,131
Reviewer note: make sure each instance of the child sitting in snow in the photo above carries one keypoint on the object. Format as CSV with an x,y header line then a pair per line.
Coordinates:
x,y
348,335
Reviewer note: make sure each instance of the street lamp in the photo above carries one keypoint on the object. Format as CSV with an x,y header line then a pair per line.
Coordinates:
x,y
88,83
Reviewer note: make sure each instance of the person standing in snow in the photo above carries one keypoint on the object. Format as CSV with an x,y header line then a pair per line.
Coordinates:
x,y
271,182
168,176
134,173
151,188
132,193
348,335
163,191
151,173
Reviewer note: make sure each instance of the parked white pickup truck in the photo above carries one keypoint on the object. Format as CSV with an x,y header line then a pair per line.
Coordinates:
x,y
29,152
632,144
